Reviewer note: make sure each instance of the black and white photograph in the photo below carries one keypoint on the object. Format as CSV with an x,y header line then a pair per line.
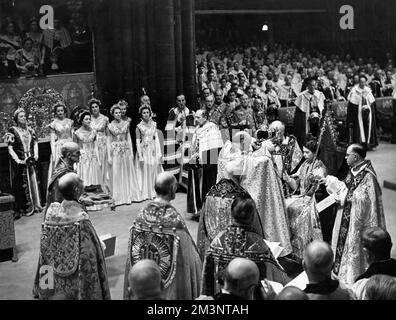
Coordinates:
x,y
210,151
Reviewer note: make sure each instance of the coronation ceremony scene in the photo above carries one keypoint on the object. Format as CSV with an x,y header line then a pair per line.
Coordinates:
x,y
209,150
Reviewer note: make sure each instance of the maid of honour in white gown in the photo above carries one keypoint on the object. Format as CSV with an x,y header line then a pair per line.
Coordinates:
x,y
123,178
89,167
61,131
148,157
99,123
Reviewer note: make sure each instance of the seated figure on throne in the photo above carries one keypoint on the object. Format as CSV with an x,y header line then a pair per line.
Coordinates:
x,y
160,233
70,250
301,210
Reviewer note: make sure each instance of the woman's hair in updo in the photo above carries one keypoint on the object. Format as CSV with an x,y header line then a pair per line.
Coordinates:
x,y
123,103
82,116
57,105
114,107
92,101
145,107
17,112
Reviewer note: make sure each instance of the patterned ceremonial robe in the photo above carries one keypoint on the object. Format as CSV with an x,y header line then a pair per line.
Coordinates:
x,y
207,143
307,104
362,115
178,136
332,153
301,210
160,233
69,244
264,185
216,213
234,242
23,176
287,155
360,208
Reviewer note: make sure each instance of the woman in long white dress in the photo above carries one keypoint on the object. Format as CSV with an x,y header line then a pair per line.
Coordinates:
x,y
123,178
99,123
148,160
89,167
61,131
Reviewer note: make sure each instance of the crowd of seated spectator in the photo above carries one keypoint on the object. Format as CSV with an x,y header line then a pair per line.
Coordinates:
x,y
285,71
36,52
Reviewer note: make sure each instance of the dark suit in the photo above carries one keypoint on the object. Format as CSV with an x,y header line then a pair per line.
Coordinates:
x,y
226,296
331,92
387,267
327,290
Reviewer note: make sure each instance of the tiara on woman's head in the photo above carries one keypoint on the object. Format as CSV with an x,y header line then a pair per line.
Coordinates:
x,y
18,111
56,105
123,103
94,100
145,106
115,106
